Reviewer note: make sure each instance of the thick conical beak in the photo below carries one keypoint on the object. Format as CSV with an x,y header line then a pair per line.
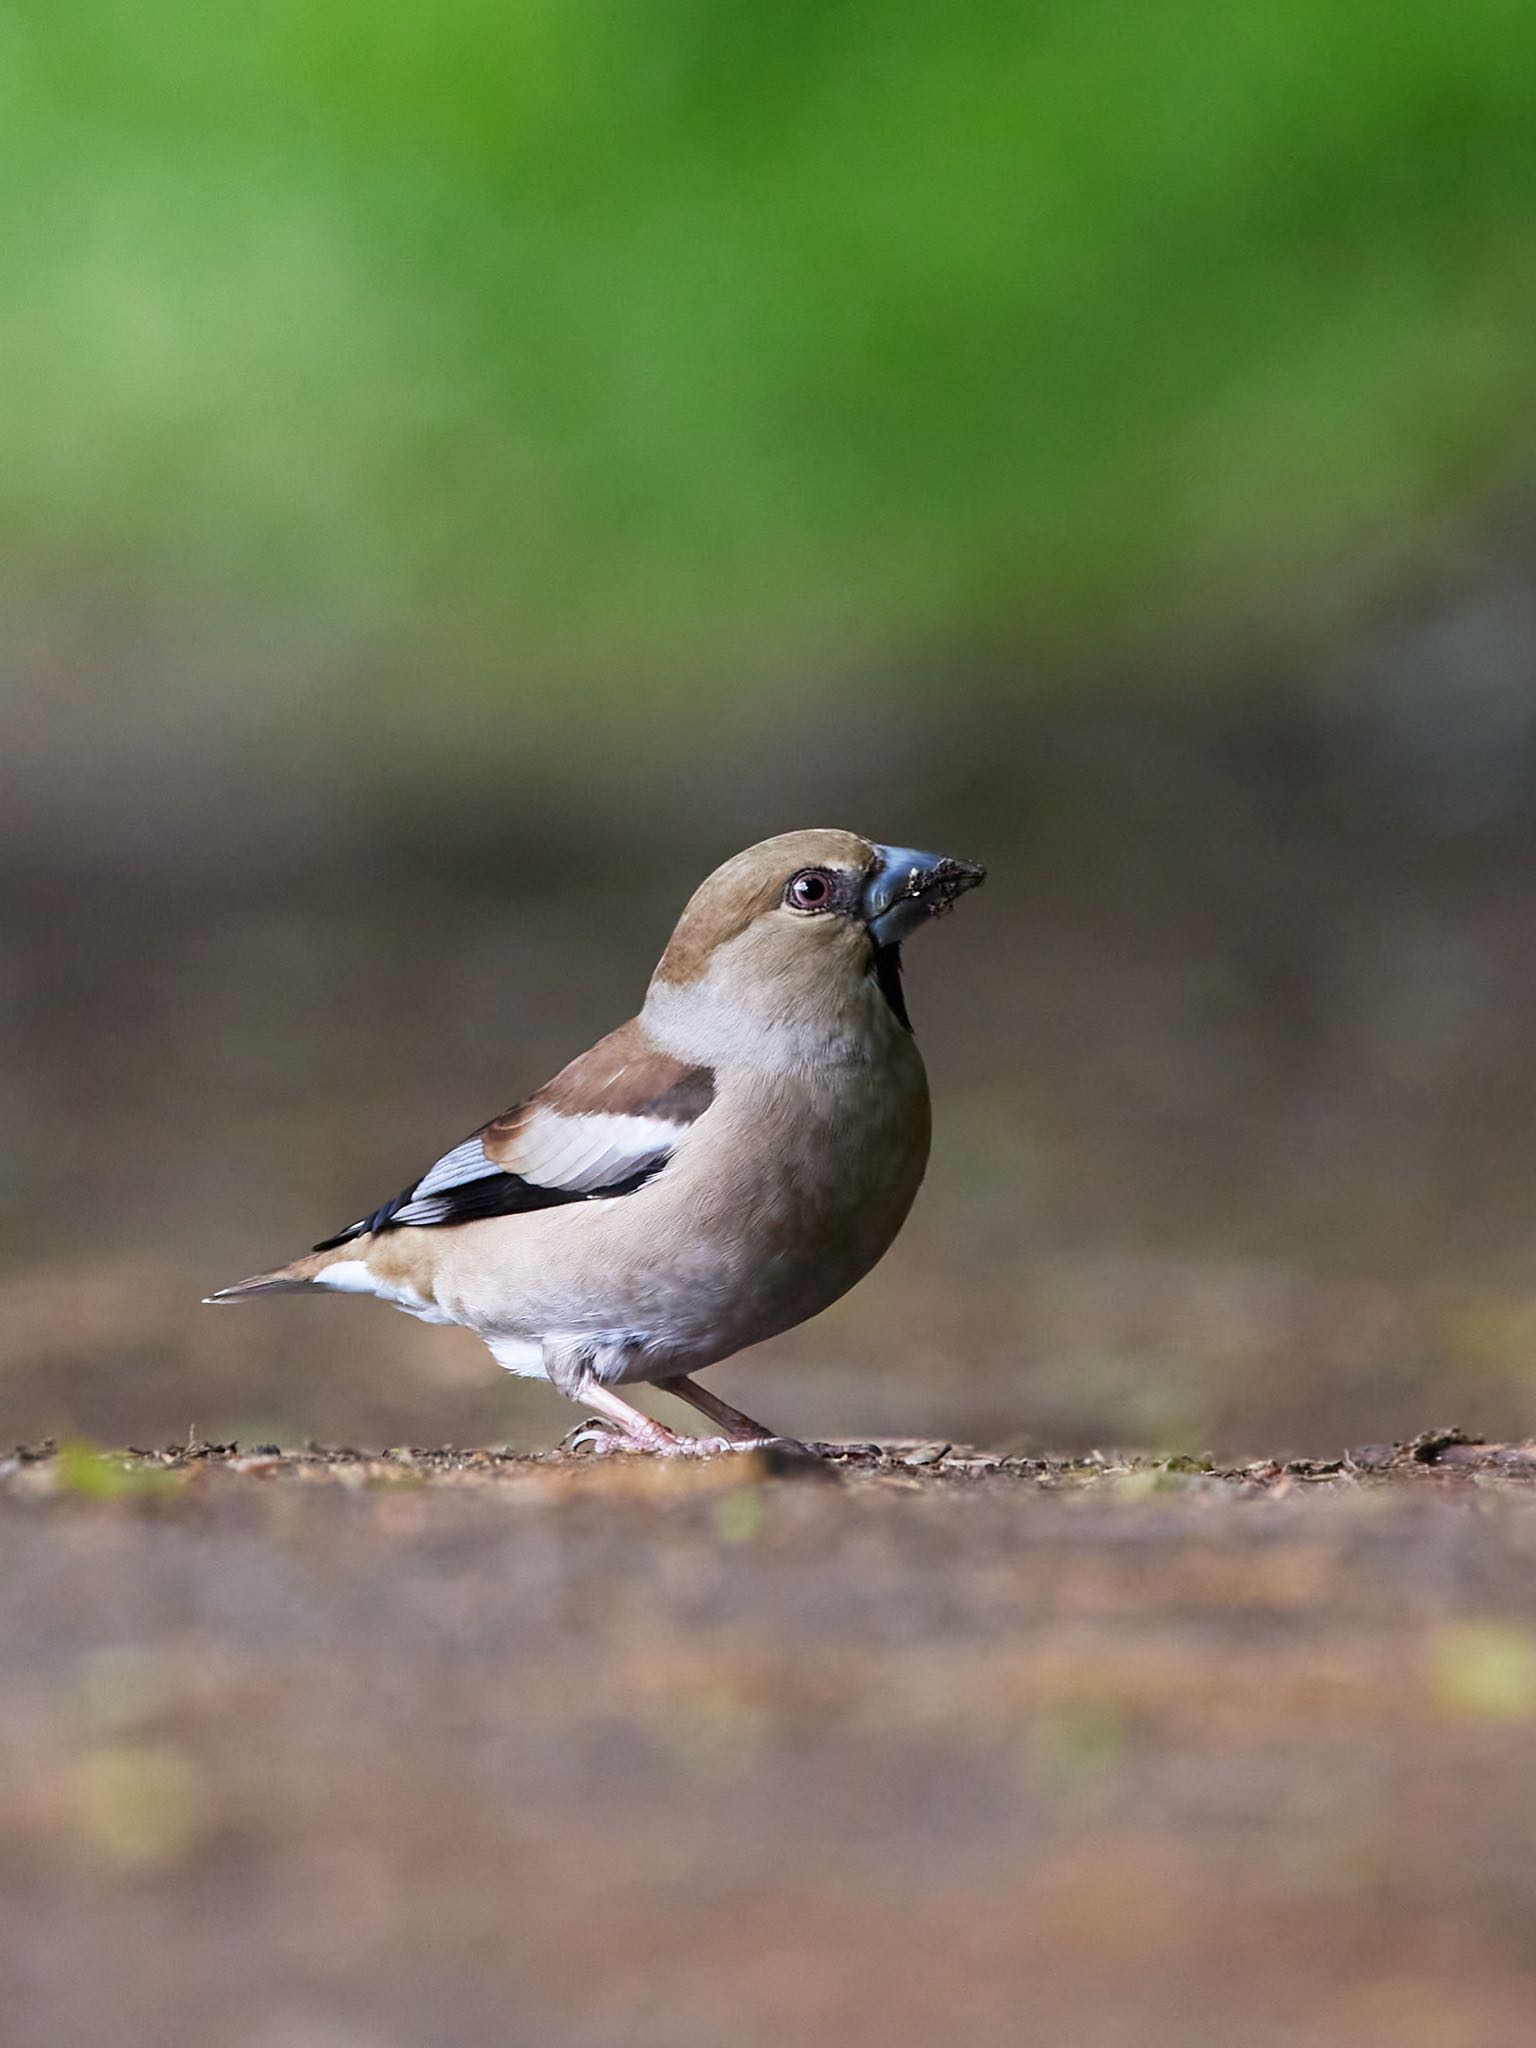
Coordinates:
x,y
908,887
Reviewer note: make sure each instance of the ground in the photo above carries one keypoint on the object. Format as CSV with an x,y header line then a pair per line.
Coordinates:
x,y
319,1750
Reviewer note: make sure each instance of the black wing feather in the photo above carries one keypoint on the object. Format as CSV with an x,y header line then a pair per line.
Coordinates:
x,y
501,1194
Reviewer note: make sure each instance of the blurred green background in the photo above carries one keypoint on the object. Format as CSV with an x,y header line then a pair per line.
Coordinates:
x,y
464,470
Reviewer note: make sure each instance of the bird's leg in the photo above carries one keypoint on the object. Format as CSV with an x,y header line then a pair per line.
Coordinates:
x,y
739,1428
634,1431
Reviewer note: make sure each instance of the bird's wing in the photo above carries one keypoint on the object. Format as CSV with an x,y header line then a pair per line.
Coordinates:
x,y
605,1125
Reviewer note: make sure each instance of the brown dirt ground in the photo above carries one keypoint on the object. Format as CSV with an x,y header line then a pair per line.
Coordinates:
x,y
319,1750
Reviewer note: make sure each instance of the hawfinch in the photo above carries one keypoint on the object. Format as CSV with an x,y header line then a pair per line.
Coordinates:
x,y
713,1172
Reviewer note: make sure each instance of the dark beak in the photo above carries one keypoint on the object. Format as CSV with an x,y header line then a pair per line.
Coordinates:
x,y
908,887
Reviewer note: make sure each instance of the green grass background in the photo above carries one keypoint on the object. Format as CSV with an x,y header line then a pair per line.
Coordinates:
x,y
629,343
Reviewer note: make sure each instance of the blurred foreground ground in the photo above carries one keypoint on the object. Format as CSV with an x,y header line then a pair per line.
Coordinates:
x,y
325,1752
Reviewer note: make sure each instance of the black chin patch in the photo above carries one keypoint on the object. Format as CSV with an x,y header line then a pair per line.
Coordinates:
x,y
888,975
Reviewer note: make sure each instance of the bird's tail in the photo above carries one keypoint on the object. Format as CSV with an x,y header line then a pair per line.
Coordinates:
x,y
281,1280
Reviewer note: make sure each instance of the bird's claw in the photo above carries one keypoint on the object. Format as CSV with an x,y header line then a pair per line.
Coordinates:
x,y
595,1436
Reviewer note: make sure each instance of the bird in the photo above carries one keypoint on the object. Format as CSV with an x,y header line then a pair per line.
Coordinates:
x,y
714,1172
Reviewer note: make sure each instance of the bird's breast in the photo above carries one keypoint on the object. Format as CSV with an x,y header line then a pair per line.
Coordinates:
x,y
819,1175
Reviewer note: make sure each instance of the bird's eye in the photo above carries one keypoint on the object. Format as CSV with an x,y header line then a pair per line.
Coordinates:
x,y
811,889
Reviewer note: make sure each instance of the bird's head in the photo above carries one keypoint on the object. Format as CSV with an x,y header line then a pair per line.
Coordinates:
x,y
792,949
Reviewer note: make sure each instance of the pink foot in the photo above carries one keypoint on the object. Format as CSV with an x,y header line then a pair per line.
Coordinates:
x,y
599,1438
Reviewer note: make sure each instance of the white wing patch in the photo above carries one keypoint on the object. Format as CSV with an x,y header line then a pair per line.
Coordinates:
x,y
581,1154
455,1169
